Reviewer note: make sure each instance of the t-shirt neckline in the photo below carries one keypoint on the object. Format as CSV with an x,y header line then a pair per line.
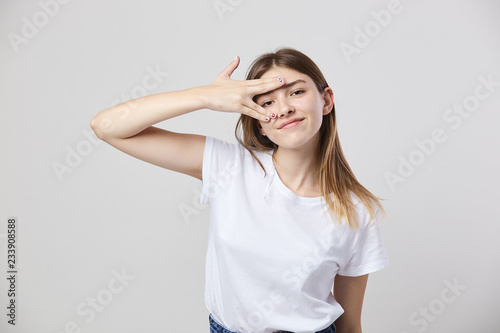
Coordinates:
x,y
288,192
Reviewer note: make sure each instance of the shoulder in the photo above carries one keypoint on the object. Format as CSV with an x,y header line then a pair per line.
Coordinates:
x,y
218,149
226,145
235,155
363,215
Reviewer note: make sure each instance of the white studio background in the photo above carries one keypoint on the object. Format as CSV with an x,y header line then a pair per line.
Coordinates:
x,y
417,91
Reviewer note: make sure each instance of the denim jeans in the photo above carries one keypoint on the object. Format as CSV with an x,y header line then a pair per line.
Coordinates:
x,y
216,327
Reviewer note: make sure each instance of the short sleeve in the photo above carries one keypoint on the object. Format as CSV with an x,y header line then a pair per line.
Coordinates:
x,y
220,159
368,254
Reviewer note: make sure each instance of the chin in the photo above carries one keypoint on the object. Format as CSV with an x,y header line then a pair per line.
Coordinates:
x,y
291,143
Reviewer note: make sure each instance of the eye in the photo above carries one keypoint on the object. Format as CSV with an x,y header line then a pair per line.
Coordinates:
x,y
266,103
298,92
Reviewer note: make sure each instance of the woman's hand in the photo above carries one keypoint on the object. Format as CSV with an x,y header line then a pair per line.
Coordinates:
x,y
228,95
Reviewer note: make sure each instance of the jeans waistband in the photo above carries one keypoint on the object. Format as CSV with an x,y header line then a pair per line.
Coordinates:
x,y
216,327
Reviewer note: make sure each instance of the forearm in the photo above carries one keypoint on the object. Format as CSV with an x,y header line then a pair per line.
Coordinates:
x,y
129,118
346,327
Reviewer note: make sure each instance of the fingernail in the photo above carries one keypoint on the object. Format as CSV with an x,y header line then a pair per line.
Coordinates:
x,y
280,79
267,119
273,115
235,58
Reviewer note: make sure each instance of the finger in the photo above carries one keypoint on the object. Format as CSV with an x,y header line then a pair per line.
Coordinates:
x,y
258,112
254,114
259,82
268,85
228,71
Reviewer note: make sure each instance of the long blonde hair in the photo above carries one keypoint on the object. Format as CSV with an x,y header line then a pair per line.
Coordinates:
x,y
333,172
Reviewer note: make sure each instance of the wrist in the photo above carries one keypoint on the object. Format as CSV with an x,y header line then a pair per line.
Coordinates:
x,y
200,95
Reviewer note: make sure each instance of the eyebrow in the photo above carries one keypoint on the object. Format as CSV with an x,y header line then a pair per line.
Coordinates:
x,y
288,85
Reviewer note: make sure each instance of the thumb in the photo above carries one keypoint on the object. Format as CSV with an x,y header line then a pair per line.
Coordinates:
x,y
228,71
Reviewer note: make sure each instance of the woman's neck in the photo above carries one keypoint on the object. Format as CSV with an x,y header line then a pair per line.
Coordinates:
x,y
296,169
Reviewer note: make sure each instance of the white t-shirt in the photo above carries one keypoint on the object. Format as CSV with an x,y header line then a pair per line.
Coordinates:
x,y
272,255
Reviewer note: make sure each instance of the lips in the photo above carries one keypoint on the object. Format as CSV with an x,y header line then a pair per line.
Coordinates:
x,y
290,121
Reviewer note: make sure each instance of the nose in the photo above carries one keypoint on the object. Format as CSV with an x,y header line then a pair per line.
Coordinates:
x,y
285,109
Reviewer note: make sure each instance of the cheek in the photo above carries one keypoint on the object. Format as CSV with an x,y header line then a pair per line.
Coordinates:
x,y
269,125
316,107
309,104
263,127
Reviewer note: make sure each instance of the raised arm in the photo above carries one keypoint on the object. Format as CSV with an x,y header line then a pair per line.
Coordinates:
x,y
128,126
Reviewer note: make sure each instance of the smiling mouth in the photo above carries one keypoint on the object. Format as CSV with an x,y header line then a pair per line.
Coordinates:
x,y
292,124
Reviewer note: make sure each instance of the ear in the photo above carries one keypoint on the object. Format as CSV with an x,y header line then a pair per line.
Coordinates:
x,y
328,98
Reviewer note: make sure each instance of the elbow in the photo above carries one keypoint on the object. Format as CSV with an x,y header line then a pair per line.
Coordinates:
x,y
100,127
94,124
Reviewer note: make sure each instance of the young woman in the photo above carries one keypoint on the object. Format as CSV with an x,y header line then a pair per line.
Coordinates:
x,y
288,218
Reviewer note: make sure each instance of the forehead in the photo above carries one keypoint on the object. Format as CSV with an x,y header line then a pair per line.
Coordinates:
x,y
287,73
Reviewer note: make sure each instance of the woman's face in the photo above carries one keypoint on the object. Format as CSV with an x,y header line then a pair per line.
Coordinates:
x,y
299,101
